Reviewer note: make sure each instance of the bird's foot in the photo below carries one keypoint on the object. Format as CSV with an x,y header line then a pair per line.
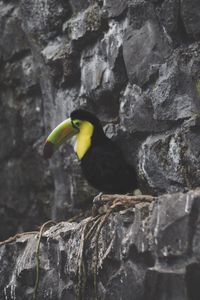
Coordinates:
x,y
118,202
97,199
98,204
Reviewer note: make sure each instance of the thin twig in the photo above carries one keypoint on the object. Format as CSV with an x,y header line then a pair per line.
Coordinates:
x,y
96,220
96,253
126,198
42,229
16,236
81,265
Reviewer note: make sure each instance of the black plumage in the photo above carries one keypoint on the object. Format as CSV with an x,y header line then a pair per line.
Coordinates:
x,y
104,165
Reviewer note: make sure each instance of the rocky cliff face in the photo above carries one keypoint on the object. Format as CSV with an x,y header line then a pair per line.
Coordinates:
x,y
136,64
149,252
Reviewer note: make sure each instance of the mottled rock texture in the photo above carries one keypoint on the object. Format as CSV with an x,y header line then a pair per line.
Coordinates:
x,y
136,64
149,252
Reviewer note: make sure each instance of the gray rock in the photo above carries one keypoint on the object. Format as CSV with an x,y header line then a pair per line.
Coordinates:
x,y
146,252
30,114
20,76
168,162
21,183
86,24
136,64
78,5
159,162
11,32
137,113
173,96
43,19
102,70
10,126
145,45
170,16
113,8
190,11
161,284
63,61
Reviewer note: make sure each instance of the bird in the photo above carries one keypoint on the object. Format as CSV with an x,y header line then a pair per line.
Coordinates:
x,y
102,162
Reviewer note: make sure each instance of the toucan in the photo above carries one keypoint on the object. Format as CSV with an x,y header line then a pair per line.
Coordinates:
x,y
101,159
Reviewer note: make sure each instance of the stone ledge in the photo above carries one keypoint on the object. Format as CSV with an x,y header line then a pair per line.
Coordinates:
x,y
151,249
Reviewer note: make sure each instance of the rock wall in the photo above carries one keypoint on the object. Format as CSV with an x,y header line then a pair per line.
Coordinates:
x,y
146,253
134,63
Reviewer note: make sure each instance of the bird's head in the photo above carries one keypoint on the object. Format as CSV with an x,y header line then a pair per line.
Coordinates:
x,y
83,125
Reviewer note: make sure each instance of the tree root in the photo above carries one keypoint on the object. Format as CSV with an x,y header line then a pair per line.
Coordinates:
x,y
124,200
113,203
86,236
43,228
96,251
81,265
96,222
16,236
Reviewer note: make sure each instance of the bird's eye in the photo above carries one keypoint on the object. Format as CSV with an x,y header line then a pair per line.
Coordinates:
x,y
76,123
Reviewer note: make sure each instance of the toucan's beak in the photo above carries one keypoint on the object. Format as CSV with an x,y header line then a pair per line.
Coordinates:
x,y
61,133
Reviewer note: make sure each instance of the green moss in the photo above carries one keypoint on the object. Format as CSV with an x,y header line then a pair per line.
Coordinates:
x,y
198,87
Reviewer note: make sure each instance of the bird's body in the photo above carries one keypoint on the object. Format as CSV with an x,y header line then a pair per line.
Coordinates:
x,y
102,161
105,168
103,164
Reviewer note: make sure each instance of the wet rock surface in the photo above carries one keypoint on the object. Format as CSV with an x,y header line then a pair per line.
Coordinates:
x,y
150,251
136,64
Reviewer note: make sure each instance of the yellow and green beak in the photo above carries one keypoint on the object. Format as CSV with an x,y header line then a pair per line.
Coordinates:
x,y
60,134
